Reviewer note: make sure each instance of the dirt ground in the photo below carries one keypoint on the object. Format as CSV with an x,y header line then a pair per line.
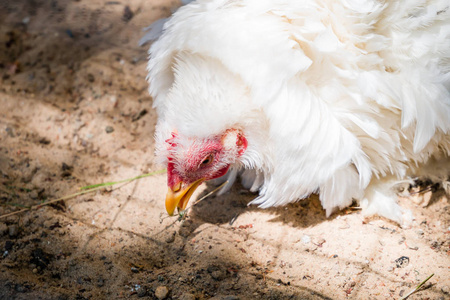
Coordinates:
x,y
74,110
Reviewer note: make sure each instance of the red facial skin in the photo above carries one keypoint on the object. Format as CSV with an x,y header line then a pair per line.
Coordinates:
x,y
201,162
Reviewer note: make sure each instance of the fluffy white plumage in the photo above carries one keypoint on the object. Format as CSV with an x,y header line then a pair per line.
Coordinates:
x,y
343,98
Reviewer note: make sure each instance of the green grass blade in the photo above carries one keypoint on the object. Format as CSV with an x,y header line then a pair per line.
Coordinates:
x,y
417,287
105,184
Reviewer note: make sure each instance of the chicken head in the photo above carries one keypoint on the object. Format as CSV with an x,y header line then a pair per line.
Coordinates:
x,y
191,161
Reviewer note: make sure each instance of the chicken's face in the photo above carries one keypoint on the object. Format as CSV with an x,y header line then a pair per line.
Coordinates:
x,y
191,161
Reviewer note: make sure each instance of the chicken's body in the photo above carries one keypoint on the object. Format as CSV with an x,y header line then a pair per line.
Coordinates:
x,y
335,97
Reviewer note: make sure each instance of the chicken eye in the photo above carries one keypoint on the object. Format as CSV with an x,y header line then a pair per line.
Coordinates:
x,y
207,160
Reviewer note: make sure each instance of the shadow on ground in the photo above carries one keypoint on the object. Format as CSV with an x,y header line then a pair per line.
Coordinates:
x,y
75,111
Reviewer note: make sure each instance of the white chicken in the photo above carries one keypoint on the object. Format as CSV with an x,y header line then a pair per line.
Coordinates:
x,y
340,98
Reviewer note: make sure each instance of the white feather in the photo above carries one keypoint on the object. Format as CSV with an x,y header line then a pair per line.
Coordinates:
x,y
332,96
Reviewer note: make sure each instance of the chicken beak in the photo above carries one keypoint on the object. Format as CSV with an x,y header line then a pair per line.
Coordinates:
x,y
179,197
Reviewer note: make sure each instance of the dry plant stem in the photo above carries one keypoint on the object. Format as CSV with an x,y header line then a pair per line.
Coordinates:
x,y
210,193
50,202
417,287
183,213
105,184
429,188
88,189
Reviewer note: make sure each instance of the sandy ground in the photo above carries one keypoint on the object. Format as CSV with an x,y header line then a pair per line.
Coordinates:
x,y
74,111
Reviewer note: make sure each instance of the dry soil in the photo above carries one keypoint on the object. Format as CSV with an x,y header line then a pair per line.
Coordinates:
x,y
74,111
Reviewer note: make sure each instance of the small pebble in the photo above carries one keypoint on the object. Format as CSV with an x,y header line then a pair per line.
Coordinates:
x,y
34,195
171,237
306,239
217,275
90,77
20,288
402,261
127,14
435,244
13,230
100,282
446,289
186,228
413,248
9,245
70,33
44,141
109,129
142,292
161,292
9,131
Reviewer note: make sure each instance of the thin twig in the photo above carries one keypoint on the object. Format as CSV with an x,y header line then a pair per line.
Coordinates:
x,y
50,202
428,188
86,190
105,184
210,193
417,287
183,214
